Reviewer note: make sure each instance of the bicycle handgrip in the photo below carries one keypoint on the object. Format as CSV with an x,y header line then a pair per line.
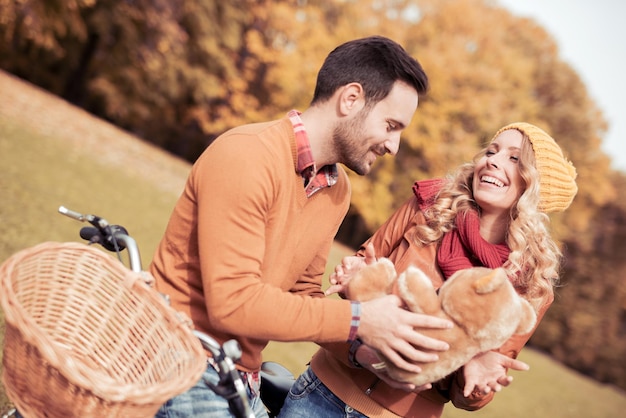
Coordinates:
x,y
72,214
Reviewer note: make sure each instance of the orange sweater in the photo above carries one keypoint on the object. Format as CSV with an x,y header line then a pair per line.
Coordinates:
x,y
245,249
394,240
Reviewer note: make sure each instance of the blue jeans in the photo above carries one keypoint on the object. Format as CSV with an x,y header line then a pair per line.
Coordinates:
x,y
309,397
201,402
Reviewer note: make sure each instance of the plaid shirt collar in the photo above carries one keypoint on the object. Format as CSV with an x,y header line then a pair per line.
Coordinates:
x,y
314,180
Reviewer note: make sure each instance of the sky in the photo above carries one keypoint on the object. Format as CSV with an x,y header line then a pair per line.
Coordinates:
x,y
591,35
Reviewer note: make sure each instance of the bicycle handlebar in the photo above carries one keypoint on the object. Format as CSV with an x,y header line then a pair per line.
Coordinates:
x,y
230,385
114,238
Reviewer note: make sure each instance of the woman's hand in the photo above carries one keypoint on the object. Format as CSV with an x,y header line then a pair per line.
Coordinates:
x,y
486,372
349,266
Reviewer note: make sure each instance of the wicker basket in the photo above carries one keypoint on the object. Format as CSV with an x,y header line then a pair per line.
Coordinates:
x,y
86,337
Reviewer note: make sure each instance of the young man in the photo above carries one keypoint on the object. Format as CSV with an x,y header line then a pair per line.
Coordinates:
x,y
246,246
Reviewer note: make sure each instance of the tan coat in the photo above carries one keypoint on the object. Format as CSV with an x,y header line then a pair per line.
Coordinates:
x,y
394,240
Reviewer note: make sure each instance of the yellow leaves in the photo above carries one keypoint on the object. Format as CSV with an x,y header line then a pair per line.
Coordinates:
x,y
213,65
488,68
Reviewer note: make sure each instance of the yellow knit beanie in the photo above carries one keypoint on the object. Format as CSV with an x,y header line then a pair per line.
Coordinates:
x,y
557,175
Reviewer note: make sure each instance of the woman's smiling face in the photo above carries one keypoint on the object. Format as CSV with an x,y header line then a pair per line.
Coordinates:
x,y
498,183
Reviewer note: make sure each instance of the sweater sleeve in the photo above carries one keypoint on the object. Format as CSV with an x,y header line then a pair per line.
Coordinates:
x,y
309,281
247,251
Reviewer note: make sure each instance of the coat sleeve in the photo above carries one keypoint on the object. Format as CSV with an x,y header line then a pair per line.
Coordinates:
x,y
390,234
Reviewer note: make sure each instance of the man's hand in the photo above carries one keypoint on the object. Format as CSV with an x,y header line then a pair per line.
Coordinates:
x,y
368,358
349,266
389,329
486,372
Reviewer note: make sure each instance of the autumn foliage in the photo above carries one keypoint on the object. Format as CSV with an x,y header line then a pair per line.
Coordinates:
x,y
178,73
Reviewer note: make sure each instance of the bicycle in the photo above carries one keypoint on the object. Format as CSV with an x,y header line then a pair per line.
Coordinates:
x,y
276,380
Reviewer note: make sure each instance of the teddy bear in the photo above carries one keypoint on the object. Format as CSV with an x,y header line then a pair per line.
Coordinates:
x,y
481,302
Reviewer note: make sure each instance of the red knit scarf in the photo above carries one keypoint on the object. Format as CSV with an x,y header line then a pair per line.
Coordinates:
x,y
463,247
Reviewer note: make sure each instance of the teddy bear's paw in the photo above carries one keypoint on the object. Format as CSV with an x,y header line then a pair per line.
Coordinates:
x,y
417,291
372,281
386,270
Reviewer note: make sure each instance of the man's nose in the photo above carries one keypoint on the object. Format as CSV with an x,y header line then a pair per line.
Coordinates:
x,y
392,145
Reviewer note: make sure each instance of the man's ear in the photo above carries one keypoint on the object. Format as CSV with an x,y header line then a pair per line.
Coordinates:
x,y
351,99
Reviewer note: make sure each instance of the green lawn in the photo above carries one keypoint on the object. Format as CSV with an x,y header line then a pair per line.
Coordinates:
x,y
42,168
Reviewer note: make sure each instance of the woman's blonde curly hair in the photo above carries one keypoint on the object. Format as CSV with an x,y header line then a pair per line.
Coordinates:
x,y
535,258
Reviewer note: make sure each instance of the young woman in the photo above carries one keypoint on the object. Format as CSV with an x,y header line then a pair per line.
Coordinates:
x,y
492,213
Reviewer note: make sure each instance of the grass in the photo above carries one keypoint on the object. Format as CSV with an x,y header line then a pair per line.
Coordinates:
x,y
97,169
39,173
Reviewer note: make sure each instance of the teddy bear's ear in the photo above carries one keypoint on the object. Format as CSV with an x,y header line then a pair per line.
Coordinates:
x,y
490,281
528,318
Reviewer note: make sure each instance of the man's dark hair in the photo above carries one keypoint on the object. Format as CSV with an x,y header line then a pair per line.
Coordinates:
x,y
375,62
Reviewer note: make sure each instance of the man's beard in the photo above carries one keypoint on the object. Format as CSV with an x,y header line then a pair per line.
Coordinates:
x,y
348,137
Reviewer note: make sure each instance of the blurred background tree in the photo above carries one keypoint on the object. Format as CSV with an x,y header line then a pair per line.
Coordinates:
x,y
178,73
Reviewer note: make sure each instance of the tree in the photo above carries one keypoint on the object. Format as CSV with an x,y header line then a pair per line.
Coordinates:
x,y
45,42
179,73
